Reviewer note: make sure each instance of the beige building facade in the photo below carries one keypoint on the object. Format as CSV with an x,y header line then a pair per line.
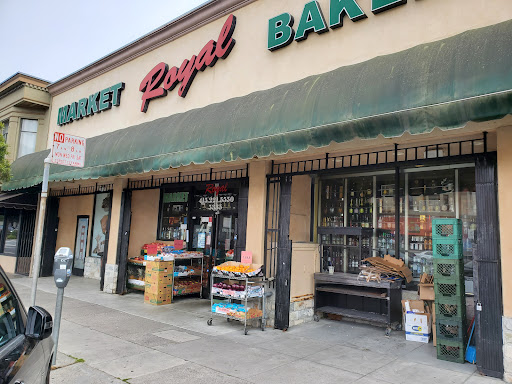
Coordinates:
x,y
377,97
24,112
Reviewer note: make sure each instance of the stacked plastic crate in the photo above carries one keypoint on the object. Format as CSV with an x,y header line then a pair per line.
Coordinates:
x,y
450,301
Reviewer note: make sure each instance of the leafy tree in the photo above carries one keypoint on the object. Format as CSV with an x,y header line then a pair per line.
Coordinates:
x,y
5,167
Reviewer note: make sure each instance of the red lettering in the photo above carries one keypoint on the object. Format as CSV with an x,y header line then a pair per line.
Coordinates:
x,y
171,80
225,43
207,56
186,75
150,84
212,189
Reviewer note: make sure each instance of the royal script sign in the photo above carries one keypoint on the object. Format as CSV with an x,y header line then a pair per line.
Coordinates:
x,y
162,79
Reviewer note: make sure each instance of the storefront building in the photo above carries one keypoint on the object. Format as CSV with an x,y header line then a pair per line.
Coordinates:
x,y
288,121
24,113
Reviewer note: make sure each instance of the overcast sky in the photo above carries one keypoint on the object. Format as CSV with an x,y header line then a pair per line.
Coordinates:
x,y
52,38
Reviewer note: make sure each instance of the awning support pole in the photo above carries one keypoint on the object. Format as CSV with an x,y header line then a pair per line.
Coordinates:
x,y
39,230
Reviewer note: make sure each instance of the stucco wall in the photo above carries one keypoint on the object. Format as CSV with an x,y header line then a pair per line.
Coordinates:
x,y
300,209
251,67
69,209
8,263
505,212
144,219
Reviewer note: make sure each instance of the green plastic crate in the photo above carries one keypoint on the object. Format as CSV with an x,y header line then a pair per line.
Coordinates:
x,y
450,308
448,269
447,249
450,330
447,229
451,351
449,288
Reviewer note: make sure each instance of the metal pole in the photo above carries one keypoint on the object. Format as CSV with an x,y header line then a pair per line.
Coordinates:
x,y
39,230
56,322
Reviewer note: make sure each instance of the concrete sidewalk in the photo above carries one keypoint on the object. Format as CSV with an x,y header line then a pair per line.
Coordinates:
x,y
110,339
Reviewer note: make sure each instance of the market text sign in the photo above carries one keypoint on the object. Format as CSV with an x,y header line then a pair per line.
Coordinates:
x,y
281,33
88,106
68,150
162,79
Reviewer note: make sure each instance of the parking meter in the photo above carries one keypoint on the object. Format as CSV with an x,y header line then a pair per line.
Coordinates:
x,y
62,263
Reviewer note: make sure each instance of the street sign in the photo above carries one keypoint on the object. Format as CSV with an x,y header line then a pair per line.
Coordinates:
x,y
68,150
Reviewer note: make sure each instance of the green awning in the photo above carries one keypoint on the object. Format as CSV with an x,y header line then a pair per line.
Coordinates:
x,y
442,84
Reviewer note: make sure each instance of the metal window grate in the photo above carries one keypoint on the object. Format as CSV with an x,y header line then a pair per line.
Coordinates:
x,y
211,175
81,190
397,154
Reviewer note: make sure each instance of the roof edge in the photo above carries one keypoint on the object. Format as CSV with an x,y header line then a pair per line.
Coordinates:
x,y
24,78
187,23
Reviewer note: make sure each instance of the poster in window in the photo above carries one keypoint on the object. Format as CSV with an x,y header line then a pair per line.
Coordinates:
x,y
81,242
99,227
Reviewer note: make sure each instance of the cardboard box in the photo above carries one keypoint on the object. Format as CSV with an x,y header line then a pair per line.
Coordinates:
x,y
157,299
420,323
426,288
420,338
160,266
417,320
158,277
162,288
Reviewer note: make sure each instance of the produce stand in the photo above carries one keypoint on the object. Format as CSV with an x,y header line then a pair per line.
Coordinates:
x,y
187,281
242,288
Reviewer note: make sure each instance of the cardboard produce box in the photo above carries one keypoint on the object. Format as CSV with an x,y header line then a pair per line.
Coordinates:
x,y
160,266
426,287
157,298
417,320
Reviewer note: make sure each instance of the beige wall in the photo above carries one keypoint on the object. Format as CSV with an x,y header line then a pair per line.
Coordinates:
x,y
305,262
505,212
8,263
256,210
251,67
69,209
115,216
300,210
144,222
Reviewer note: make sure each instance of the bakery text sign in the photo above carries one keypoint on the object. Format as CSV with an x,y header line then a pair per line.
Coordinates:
x,y
281,33
162,79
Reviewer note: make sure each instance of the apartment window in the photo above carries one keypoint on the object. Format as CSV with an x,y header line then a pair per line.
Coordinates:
x,y
5,130
27,137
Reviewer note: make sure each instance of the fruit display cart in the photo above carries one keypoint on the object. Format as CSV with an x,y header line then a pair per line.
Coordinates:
x,y
188,274
234,289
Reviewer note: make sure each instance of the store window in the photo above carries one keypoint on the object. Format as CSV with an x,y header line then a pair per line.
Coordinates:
x,y
173,215
5,129
102,206
28,135
12,223
369,201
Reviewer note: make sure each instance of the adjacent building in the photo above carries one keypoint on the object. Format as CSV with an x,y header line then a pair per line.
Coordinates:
x,y
24,112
